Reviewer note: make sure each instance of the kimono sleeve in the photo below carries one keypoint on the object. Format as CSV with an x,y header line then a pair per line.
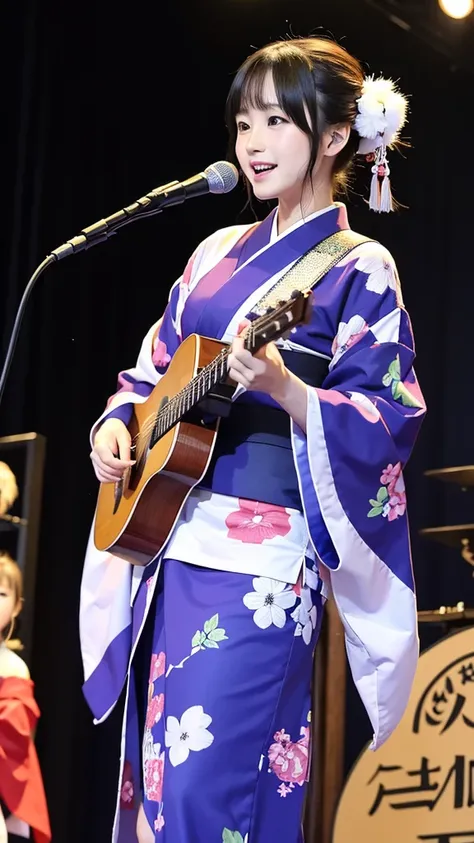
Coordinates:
x,y
360,429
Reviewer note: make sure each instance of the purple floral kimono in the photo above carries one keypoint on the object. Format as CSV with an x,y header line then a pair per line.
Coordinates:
x,y
214,639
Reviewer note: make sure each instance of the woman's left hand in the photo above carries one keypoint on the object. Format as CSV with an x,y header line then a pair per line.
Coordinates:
x,y
263,372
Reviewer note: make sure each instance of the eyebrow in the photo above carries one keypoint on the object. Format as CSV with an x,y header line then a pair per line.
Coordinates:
x,y
264,106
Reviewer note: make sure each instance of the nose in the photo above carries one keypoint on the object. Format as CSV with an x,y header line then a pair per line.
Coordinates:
x,y
255,140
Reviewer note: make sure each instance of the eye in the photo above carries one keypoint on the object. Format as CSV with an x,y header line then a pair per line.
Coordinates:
x,y
276,120
242,126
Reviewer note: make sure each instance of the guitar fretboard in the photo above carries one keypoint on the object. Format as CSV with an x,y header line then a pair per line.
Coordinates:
x,y
194,392
264,329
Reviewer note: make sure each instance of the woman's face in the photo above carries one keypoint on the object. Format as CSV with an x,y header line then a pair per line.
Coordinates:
x,y
272,151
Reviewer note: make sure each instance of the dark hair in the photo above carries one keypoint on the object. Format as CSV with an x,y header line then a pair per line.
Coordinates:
x,y
313,75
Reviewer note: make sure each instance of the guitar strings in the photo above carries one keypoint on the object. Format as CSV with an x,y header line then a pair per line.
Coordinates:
x,y
166,418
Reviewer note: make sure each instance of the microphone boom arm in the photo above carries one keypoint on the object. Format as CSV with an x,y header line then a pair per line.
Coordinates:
x,y
146,206
218,178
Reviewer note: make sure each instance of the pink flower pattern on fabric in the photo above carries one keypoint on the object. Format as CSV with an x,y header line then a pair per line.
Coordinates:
x,y
127,790
289,761
154,710
153,775
160,356
391,498
284,789
255,522
158,666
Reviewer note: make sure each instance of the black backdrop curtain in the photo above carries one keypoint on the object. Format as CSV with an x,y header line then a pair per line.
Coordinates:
x,y
100,105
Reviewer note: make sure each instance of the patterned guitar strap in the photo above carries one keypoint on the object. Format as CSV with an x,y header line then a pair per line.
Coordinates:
x,y
310,268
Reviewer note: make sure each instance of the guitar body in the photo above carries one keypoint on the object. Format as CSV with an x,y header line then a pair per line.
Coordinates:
x,y
134,518
172,447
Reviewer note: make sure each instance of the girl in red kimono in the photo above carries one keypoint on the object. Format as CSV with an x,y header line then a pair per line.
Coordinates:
x,y
22,799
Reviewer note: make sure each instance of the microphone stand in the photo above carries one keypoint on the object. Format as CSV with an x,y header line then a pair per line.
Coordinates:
x,y
148,205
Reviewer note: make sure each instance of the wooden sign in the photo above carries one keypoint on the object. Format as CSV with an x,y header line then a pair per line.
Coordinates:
x,y
419,786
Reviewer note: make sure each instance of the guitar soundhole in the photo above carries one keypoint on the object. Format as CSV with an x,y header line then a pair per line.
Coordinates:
x,y
140,452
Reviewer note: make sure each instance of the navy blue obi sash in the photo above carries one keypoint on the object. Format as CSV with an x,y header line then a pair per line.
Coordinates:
x,y
253,457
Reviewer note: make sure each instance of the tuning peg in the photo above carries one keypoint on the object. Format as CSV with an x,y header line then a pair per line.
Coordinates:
x,y
270,310
296,294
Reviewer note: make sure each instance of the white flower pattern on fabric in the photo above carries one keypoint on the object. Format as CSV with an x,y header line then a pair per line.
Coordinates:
x,y
269,600
348,333
188,734
366,403
381,274
305,616
377,263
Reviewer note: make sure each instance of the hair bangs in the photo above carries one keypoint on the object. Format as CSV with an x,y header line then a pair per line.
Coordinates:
x,y
295,91
10,575
247,90
294,88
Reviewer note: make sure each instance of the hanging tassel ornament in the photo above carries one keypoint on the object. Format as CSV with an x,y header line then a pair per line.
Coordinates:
x,y
381,199
374,198
382,112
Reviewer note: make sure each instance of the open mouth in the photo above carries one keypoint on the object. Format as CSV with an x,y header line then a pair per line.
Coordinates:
x,y
259,169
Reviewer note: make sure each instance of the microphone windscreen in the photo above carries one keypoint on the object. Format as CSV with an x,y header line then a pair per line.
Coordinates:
x,y
222,177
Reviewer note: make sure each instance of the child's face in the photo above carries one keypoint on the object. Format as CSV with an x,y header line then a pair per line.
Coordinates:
x,y
8,605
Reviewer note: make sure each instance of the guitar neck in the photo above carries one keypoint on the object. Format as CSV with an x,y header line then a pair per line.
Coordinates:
x,y
263,330
192,394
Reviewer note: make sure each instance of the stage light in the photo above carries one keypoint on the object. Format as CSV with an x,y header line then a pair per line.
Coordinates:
x,y
457,8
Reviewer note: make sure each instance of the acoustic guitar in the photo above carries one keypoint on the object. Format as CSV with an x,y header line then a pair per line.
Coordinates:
x,y
173,435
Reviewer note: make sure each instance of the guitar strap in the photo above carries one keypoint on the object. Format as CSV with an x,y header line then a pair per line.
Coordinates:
x,y
303,276
310,268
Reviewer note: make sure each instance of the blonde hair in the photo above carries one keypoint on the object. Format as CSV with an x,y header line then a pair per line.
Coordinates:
x,y
10,574
8,488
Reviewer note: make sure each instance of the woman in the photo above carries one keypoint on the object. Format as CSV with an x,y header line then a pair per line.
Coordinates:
x,y
304,495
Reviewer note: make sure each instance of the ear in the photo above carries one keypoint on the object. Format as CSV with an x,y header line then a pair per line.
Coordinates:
x,y
334,139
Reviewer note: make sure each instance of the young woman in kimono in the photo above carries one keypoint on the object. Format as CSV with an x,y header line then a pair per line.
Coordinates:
x,y
304,496
21,785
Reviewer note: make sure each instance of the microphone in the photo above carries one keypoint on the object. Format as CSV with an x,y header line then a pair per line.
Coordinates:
x,y
220,177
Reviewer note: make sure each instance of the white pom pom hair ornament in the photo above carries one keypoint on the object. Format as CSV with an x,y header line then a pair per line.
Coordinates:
x,y
382,114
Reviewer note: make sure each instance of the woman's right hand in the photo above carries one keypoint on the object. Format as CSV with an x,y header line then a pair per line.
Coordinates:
x,y
111,452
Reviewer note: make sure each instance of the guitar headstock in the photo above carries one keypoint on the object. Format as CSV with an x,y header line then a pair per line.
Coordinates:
x,y
278,321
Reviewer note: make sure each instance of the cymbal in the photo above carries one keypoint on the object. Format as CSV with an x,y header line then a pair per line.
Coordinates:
x,y
463,475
